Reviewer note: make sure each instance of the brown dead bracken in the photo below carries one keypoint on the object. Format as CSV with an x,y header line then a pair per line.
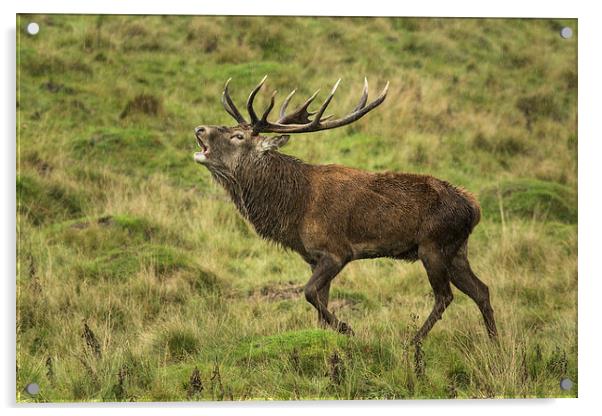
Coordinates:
x,y
332,215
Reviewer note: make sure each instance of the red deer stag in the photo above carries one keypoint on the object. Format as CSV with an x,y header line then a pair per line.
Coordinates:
x,y
332,215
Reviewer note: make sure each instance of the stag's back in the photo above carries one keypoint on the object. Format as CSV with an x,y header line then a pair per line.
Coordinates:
x,y
366,214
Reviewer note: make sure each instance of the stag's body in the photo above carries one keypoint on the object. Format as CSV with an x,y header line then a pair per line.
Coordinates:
x,y
332,215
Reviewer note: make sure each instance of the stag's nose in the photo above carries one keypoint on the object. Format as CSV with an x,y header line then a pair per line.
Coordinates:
x,y
200,130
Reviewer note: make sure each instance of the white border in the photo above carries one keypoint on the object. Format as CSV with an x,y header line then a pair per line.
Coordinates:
x,y
590,229
508,8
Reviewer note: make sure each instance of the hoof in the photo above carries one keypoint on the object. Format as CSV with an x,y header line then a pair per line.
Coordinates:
x,y
345,329
495,340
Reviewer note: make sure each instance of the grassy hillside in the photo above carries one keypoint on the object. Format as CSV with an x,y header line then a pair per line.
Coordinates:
x,y
138,280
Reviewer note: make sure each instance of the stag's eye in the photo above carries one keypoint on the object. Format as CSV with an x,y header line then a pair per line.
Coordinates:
x,y
238,136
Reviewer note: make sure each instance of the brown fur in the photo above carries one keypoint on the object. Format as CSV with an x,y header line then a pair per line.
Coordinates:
x,y
332,215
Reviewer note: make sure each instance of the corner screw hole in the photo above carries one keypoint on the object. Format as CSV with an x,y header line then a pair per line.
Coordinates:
x,y
566,33
566,384
33,28
32,388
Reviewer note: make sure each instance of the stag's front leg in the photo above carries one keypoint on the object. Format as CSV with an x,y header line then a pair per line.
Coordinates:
x,y
326,269
323,297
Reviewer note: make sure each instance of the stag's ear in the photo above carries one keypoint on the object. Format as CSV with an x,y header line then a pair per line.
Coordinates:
x,y
269,143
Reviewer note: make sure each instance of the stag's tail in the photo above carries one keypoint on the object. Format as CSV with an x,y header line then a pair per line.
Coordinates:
x,y
475,207
456,215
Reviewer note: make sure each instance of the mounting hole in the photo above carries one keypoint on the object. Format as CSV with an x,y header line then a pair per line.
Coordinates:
x,y
566,32
32,388
566,384
33,28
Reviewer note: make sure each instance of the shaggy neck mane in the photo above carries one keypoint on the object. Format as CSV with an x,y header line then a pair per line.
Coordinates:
x,y
271,192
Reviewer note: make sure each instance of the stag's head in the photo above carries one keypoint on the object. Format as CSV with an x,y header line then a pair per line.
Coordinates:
x,y
224,148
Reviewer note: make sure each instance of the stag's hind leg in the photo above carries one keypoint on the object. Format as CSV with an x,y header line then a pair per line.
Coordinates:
x,y
437,271
316,291
464,279
323,297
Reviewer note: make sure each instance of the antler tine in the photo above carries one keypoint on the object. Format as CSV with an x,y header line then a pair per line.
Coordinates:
x,y
300,115
364,98
264,118
318,115
229,105
356,115
228,109
285,103
250,109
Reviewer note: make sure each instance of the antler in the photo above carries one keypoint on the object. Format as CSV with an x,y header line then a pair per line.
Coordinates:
x,y
229,105
299,120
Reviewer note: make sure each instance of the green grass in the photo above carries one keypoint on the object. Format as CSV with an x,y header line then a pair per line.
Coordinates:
x,y
527,198
122,233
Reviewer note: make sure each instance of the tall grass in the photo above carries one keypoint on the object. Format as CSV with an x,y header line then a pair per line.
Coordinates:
x,y
138,280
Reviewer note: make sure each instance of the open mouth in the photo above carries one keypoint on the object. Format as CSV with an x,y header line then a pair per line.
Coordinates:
x,y
202,145
201,156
